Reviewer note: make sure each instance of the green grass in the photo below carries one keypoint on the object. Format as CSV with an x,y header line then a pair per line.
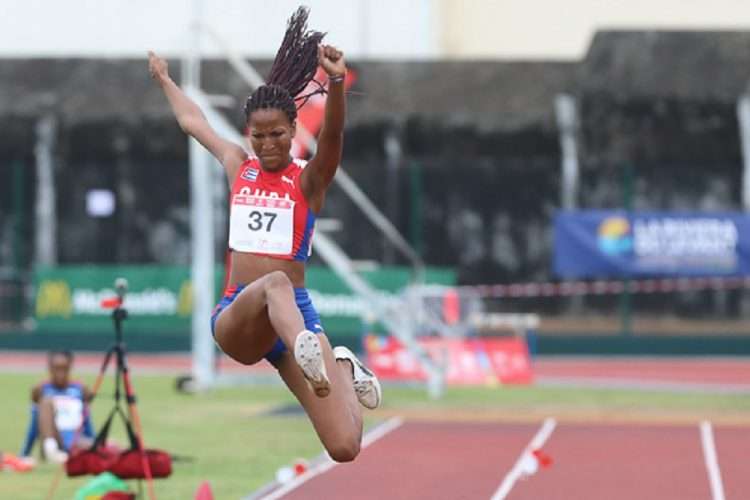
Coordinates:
x,y
583,403
230,445
238,450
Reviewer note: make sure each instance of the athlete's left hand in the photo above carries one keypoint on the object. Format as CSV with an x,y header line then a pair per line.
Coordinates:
x,y
331,60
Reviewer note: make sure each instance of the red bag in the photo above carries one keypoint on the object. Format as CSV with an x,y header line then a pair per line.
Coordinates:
x,y
129,464
91,461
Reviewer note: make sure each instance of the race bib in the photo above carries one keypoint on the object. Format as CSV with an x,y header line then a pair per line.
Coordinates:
x,y
68,412
261,224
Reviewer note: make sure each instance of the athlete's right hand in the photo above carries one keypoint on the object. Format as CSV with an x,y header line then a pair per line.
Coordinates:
x,y
157,67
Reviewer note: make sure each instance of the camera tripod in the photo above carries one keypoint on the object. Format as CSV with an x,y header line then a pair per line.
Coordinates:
x,y
123,384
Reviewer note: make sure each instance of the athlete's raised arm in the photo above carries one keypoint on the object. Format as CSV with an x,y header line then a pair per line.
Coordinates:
x,y
322,167
192,120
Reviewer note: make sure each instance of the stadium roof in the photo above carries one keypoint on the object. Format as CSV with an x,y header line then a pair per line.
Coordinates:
x,y
488,94
677,64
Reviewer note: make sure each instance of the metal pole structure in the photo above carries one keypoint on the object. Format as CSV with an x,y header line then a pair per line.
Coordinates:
x,y
416,188
743,116
45,210
397,316
202,268
201,223
567,123
392,147
191,60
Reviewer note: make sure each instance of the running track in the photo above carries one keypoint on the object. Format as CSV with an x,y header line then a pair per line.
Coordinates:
x,y
590,462
691,373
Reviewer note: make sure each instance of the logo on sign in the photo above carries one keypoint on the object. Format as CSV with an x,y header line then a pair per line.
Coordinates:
x,y
673,237
250,174
54,299
614,236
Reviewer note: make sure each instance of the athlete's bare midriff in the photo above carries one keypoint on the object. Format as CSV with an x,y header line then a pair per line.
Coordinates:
x,y
248,267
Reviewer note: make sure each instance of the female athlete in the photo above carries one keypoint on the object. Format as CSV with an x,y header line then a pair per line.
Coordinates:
x,y
266,311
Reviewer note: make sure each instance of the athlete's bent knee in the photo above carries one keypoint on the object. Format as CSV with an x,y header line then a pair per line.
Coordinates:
x,y
276,279
344,450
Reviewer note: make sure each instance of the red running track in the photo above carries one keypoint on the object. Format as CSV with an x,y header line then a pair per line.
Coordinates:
x,y
620,462
733,453
591,462
720,371
425,460
706,371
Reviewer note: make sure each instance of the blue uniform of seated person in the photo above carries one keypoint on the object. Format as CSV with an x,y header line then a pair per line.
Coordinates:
x,y
59,407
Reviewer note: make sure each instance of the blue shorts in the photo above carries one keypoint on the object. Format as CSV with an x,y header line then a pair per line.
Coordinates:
x,y
304,304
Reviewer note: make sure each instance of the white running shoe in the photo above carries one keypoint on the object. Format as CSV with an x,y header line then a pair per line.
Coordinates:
x,y
309,357
53,453
366,384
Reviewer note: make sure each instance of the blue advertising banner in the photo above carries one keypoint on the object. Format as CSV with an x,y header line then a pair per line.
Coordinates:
x,y
608,243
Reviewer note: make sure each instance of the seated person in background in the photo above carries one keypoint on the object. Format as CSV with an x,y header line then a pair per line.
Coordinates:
x,y
58,408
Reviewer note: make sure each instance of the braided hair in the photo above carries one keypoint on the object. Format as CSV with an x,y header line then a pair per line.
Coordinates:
x,y
293,68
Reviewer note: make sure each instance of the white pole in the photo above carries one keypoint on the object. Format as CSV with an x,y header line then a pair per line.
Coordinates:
x,y
202,272
201,224
565,110
567,125
45,213
743,116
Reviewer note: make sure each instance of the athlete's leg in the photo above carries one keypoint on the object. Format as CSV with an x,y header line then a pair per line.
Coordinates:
x,y
263,312
47,427
337,418
50,435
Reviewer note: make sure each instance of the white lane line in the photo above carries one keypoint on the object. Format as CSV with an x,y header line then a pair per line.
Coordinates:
x,y
514,474
369,438
378,432
712,462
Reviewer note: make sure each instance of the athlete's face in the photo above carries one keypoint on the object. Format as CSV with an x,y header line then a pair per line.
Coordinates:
x,y
271,137
59,370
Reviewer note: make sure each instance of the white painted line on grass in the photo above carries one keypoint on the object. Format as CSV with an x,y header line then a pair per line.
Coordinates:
x,y
712,462
514,474
369,438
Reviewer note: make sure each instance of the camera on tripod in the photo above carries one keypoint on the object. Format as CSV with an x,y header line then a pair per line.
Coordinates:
x,y
137,462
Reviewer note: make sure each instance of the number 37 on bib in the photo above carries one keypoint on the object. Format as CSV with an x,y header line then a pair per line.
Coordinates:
x,y
260,224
